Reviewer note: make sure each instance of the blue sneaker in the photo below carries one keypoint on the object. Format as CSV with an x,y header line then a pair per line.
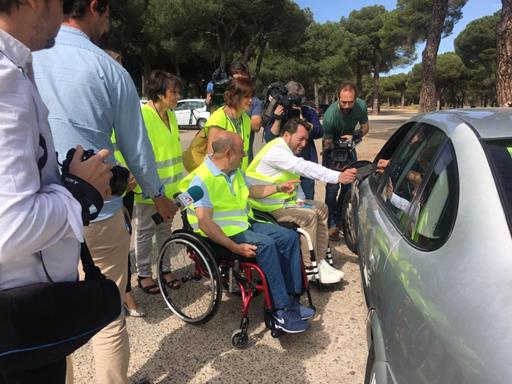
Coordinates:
x,y
289,321
305,312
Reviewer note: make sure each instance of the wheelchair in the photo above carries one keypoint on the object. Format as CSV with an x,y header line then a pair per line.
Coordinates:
x,y
311,272
204,268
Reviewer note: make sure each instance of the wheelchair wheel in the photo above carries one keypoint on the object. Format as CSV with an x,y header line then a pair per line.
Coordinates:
x,y
197,297
239,339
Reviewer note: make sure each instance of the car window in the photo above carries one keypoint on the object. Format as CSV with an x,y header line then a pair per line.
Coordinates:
x,y
435,207
500,156
182,105
388,149
196,104
407,168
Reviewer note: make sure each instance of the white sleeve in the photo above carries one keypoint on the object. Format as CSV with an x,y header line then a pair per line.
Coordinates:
x,y
31,218
284,160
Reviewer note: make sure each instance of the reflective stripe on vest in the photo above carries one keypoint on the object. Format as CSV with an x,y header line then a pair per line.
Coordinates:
x,y
117,152
167,149
221,120
231,212
276,200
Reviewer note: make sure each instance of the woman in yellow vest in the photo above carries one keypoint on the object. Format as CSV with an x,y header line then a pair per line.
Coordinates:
x,y
233,117
162,127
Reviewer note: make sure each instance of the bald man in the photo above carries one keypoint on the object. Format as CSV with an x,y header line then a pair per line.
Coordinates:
x,y
224,216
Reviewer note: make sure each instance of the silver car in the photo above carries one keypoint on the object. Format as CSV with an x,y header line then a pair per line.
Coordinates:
x,y
434,240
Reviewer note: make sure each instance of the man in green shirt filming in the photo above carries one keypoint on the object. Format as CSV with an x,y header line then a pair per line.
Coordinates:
x,y
340,121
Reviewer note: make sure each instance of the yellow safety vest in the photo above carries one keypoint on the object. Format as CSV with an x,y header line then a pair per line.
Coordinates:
x,y
167,149
276,200
231,212
117,153
223,121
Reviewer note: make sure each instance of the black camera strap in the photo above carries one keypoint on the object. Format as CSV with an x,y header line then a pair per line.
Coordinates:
x,y
85,194
92,272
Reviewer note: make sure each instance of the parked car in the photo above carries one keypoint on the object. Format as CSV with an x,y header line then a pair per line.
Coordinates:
x,y
191,113
433,234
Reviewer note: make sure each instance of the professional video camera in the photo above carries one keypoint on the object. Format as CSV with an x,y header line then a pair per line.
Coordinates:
x,y
342,153
120,175
277,94
220,80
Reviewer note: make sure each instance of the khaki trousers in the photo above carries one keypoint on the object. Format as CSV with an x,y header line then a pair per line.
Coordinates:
x,y
144,232
313,221
109,243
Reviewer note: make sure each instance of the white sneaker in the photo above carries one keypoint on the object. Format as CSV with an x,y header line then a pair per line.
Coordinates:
x,y
326,276
330,268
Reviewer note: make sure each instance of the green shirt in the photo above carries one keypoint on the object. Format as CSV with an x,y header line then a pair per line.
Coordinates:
x,y
336,124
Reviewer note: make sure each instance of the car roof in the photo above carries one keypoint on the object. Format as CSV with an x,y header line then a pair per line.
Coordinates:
x,y
488,123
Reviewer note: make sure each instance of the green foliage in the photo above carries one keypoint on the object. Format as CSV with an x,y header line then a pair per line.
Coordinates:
x,y
416,15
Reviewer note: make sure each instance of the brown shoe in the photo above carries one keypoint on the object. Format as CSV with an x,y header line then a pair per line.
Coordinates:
x,y
334,234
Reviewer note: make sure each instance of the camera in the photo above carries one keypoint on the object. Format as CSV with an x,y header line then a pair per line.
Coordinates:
x,y
342,151
220,80
277,94
120,175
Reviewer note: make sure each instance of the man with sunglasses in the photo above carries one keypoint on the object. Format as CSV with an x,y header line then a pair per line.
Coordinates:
x,y
340,121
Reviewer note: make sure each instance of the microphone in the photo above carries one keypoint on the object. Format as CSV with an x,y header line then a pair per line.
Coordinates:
x,y
182,201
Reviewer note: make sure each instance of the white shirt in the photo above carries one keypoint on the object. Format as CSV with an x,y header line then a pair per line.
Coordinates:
x,y
36,212
281,158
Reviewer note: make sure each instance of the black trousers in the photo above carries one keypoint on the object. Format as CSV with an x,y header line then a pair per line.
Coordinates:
x,y
54,373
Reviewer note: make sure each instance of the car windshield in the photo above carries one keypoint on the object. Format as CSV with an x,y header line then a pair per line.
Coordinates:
x,y
500,153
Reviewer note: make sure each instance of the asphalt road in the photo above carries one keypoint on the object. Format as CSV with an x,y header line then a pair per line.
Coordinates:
x,y
166,350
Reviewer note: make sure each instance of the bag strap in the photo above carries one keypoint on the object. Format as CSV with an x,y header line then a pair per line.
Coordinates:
x,y
92,272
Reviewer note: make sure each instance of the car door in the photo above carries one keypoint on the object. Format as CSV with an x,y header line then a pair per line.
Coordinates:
x,y
194,107
182,112
377,236
420,197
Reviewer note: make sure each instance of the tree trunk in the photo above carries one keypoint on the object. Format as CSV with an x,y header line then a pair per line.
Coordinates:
x,y
429,56
259,60
317,97
359,80
146,70
402,100
376,77
504,55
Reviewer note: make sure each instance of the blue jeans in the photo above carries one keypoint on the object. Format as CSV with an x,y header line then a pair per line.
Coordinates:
x,y
278,255
308,186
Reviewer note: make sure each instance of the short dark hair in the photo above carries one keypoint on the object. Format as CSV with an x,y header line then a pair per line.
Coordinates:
x,y
160,81
348,85
239,69
6,5
76,9
292,126
236,90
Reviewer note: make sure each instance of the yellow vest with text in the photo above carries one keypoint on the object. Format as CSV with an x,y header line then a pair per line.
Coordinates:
x,y
167,149
276,200
221,120
231,212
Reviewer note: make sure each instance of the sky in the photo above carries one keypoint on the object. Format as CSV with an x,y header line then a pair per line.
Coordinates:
x,y
333,10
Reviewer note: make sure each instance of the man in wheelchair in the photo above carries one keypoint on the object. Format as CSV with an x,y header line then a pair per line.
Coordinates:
x,y
276,163
224,216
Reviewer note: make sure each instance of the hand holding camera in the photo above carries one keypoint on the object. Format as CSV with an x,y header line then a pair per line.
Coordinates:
x,y
92,169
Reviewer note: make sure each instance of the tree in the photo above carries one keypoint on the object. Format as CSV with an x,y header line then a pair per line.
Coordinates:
x,y
386,42
394,88
429,20
476,45
504,55
451,80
